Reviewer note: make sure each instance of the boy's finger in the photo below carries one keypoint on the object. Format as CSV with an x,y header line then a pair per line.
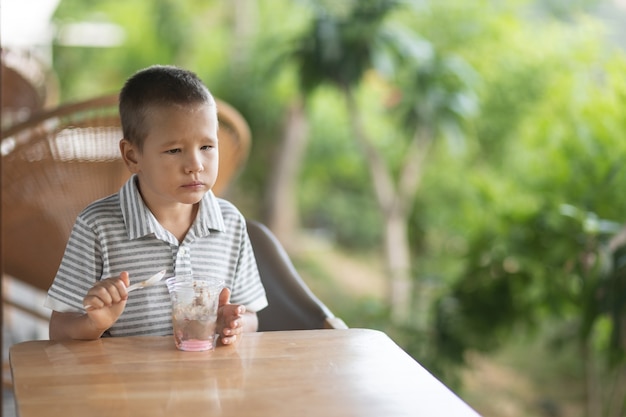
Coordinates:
x,y
228,340
125,278
92,302
234,327
120,286
102,294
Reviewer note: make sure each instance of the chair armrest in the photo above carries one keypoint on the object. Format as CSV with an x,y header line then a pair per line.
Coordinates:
x,y
292,304
334,323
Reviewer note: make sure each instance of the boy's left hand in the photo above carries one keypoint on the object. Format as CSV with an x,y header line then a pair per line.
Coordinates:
x,y
229,319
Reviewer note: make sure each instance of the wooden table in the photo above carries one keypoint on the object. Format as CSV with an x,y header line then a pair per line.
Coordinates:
x,y
353,372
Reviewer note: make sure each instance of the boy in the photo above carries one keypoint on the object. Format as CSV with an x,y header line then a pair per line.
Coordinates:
x,y
164,217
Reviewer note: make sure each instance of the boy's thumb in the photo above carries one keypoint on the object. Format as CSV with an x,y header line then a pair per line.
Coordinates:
x,y
224,297
124,277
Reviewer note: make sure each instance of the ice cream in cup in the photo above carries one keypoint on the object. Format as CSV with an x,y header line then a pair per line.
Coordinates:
x,y
195,300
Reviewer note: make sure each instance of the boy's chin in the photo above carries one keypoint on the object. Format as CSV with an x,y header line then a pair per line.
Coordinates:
x,y
191,201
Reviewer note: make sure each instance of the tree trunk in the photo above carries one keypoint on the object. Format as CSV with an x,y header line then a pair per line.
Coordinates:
x,y
398,262
617,401
593,401
245,21
394,210
282,205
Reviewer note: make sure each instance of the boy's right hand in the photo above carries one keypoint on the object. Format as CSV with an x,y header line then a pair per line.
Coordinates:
x,y
106,300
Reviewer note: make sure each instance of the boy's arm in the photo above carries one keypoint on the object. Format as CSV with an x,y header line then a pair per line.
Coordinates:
x,y
78,326
106,301
250,321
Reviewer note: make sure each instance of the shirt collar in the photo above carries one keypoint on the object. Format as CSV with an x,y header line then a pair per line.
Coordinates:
x,y
140,221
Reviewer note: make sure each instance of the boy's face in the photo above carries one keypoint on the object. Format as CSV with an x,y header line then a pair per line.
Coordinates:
x,y
179,160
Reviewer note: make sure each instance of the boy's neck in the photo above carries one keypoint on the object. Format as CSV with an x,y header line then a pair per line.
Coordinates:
x,y
178,221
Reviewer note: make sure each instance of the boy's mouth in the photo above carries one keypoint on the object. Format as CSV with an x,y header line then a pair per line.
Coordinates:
x,y
193,184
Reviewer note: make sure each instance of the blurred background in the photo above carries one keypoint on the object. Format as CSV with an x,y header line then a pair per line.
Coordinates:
x,y
449,172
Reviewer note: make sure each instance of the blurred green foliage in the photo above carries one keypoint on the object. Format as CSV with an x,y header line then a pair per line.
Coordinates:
x,y
519,205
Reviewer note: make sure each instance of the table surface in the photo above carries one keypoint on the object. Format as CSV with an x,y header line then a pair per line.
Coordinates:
x,y
351,372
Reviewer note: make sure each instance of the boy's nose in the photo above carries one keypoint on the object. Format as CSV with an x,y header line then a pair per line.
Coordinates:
x,y
194,163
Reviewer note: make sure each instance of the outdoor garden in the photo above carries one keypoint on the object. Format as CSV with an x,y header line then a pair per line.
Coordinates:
x,y
450,172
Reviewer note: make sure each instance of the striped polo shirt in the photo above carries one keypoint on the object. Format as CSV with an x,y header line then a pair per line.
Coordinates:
x,y
119,233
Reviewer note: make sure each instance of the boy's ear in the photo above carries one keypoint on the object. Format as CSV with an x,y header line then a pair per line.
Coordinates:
x,y
129,155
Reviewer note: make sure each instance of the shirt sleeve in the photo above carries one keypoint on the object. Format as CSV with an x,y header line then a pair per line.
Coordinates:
x,y
80,268
247,286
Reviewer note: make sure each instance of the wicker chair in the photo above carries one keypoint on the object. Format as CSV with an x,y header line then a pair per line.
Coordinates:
x,y
28,85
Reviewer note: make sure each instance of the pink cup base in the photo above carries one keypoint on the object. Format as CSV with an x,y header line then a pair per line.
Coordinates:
x,y
195,345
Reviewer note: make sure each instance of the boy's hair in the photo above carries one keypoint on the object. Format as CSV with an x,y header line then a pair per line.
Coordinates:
x,y
157,86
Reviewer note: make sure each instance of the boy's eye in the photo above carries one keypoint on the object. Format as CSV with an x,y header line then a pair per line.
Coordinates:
x,y
207,147
172,151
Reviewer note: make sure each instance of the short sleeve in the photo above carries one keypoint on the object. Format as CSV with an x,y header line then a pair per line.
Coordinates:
x,y
247,286
80,268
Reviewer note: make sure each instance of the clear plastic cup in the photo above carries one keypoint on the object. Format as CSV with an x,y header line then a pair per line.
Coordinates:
x,y
195,300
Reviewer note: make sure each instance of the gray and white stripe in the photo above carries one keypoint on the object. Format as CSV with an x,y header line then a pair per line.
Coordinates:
x,y
119,233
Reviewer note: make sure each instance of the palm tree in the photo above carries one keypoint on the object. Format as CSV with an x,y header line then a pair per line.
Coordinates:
x,y
434,97
337,50
315,54
346,40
